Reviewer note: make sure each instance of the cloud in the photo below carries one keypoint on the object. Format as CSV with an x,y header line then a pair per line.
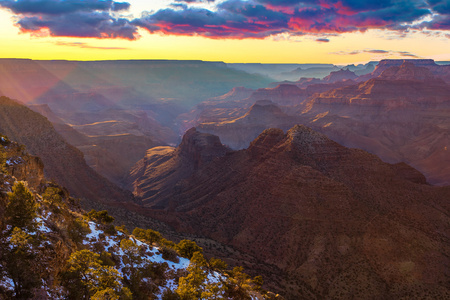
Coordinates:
x,y
57,7
87,46
378,51
234,18
262,18
229,18
194,1
79,24
323,40
88,18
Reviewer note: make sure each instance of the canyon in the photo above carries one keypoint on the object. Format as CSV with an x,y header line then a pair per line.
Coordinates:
x,y
331,187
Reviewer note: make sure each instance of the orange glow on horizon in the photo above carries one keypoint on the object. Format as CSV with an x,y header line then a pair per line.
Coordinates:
x,y
340,49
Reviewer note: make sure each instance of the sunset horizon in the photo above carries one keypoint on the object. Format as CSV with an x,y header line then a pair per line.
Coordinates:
x,y
232,31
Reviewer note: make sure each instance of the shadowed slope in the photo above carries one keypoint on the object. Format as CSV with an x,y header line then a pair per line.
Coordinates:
x,y
63,163
327,221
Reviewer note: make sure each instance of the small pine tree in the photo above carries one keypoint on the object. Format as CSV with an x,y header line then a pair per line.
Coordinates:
x,y
52,197
148,235
187,248
86,277
196,284
238,284
18,261
21,207
100,216
217,264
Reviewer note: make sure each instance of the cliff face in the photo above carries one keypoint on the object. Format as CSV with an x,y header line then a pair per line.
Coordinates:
x,y
401,115
23,166
340,75
152,184
63,163
323,220
435,69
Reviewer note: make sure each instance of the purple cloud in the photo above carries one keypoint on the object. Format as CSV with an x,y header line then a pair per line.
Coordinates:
x,y
57,7
235,18
89,18
262,18
229,19
377,51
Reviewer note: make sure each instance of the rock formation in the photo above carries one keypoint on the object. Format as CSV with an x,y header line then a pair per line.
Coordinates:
x,y
401,115
236,133
437,70
343,74
322,220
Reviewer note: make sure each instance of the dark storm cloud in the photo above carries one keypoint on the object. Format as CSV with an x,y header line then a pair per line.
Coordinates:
x,y
442,7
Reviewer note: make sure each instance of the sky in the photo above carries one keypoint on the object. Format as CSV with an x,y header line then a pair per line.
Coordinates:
x,y
233,31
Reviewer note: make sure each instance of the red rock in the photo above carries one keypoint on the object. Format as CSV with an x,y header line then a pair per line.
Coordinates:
x,y
322,220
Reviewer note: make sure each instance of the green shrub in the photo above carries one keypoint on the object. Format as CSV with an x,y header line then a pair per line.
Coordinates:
x,y
77,230
217,264
100,216
148,235
21,207
187,248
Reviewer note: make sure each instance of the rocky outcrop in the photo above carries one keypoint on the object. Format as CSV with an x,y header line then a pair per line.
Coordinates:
x,y
195,150
18,163
437,70
405,85
402,115
200,148
322,221
317,71
408,71
343,74
238,132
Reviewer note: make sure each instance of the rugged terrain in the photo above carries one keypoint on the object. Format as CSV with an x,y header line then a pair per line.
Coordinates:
x,y
325,221
398,112
64,163
400,115
52,249
122,106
